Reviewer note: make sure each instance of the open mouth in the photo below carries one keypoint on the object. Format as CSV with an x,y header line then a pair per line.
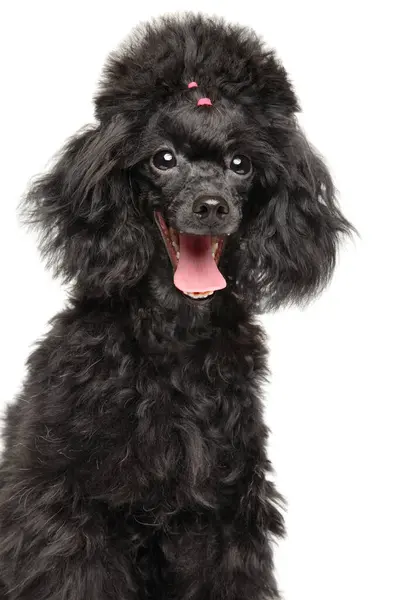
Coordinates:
x,y
194,259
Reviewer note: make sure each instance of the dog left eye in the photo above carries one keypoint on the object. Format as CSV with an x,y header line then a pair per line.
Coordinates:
x,y
240,164
164,160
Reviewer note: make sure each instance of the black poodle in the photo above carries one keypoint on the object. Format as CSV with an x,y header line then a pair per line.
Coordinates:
x,y
134,464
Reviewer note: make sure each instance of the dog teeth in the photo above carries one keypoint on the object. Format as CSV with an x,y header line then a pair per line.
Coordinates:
x,y
173,237
197,295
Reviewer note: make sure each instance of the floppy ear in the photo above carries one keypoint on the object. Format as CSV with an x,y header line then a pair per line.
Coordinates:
x,y
292,230
90,227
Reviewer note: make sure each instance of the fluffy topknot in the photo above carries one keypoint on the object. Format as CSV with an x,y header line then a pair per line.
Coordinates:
x,y
159,59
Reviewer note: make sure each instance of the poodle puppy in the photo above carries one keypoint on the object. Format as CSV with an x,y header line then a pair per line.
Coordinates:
x,y
135,457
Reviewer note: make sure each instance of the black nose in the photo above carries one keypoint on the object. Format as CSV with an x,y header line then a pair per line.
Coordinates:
x,y
211,208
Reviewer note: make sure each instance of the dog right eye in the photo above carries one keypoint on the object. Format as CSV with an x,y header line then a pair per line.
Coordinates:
x,y
164,160
241,165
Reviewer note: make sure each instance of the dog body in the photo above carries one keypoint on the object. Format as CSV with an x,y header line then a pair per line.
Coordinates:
x,y
135,456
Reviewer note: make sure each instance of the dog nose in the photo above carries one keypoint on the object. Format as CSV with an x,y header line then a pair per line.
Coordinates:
x,y
210,208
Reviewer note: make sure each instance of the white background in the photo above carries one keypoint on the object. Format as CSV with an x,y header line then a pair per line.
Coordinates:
x,y
332,404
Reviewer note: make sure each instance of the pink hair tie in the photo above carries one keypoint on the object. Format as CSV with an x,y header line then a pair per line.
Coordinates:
x,y
204,102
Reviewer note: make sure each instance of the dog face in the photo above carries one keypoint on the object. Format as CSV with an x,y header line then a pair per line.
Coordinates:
x,y
197,180
195,186
196,200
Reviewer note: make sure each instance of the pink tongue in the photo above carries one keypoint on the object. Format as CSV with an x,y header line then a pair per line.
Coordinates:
x,y
197,270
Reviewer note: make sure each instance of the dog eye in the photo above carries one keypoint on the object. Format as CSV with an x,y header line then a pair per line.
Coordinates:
x,y
164,160
240,164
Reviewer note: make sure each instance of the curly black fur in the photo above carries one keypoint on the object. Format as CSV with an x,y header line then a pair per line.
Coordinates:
x,y
134,463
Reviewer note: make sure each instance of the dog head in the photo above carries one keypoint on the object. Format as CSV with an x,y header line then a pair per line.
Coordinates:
x,y
195,179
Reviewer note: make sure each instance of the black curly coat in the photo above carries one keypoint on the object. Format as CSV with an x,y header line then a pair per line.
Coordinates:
x,y
134,463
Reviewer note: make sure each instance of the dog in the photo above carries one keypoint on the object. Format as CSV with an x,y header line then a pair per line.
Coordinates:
x,y
135,463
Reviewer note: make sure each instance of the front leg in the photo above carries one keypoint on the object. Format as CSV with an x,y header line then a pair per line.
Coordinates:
x,y
245,570
224,554
53,547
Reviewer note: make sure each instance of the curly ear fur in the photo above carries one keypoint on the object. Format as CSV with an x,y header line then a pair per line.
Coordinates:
x,y
86,212
293,226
